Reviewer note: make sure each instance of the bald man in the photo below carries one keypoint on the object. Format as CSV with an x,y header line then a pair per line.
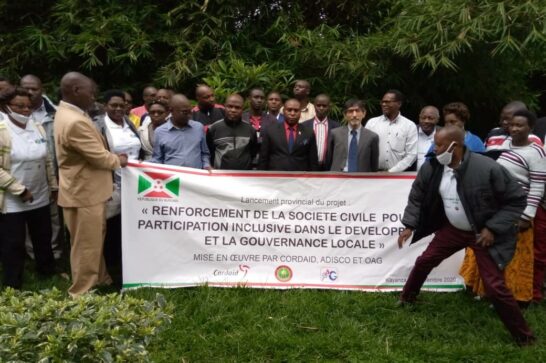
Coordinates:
x,y
85,181
206,111
233,143
428,121
466,200
181,141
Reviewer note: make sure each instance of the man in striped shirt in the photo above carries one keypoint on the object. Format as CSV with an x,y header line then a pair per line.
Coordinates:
x,y
322,127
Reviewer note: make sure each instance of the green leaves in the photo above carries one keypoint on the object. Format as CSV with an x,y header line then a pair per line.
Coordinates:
x,y
50,327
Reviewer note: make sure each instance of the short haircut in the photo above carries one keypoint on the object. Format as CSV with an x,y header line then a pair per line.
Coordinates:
x,y
160,103
308,85
433,108
459,109
107,95
398,96
10,93
530,116
292,100
323,95
353,102
256,89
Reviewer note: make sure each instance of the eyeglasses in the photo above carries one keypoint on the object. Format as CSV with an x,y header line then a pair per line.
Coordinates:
x,y
20,106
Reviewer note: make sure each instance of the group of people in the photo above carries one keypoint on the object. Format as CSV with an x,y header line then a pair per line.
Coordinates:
x,y
70,156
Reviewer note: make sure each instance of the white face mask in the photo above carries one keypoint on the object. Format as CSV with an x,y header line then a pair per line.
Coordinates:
x,y
18,117
446,157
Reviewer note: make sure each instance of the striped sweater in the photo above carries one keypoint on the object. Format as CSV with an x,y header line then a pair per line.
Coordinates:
x,y
528,165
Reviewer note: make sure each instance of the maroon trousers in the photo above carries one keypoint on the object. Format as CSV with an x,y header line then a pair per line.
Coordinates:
x,y
449,240
539,250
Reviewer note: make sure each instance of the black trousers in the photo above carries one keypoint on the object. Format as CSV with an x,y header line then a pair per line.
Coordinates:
x,y
12,243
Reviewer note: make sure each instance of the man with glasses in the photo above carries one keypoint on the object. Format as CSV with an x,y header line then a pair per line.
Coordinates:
x,y
397,135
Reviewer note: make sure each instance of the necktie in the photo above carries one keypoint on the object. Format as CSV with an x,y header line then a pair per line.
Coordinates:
x,y
290,139
353,151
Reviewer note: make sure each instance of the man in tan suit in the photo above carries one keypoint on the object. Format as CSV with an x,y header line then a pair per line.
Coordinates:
x,y
85,181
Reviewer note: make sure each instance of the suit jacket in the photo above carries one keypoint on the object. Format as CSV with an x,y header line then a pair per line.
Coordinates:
x,y
368,149
332,124
274,154
85,165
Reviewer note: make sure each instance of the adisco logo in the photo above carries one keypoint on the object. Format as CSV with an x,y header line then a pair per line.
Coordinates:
x,y
328,273
283,273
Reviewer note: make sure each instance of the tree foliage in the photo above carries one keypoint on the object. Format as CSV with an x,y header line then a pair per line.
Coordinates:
x,y
481,52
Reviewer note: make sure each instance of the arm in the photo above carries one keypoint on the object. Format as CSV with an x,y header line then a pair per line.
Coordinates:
x,y
205,154
158,156
263,163
253,144
313,157
82,138
417,194
537,179
411,151
210,144
512,200
374,157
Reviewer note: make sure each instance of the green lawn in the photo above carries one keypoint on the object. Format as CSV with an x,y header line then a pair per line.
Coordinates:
x,y
215,324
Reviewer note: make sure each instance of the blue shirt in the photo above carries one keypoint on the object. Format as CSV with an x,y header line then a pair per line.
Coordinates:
x,y
471,141
184,146
349,138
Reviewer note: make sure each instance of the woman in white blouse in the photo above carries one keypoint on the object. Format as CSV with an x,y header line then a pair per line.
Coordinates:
x,y
122,138
27,185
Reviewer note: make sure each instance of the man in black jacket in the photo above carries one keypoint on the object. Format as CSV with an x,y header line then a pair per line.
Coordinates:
x,y
232,143
289,146
467,200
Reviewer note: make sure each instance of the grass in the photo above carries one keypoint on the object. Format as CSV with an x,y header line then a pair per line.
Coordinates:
x,y
239,324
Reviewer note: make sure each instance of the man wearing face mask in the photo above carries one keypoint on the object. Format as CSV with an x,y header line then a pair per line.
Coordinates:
x,y
354,148
467,200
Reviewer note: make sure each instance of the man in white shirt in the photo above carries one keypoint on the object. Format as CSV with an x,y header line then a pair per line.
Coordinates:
x,y
43,113
428,119
397,135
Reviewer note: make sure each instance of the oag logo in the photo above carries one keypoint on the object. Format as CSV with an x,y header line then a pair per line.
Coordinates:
x,y
328,274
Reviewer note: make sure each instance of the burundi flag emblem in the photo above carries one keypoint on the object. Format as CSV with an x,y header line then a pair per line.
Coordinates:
x,y
158,185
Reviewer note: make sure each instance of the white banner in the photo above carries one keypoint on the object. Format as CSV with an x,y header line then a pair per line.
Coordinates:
x,y
186,227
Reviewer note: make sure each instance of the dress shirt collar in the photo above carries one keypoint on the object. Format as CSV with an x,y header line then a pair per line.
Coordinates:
x,y
171,126
357,129
385,118
422,133
41,108
319,122
287,127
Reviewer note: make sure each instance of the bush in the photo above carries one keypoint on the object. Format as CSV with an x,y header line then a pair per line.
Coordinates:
x,y
48,326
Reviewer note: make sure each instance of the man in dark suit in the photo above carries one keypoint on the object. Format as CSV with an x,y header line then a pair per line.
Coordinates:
x,y
289,146
322,127
354,148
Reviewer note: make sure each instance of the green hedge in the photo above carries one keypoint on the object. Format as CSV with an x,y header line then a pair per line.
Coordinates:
x,y
48,326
